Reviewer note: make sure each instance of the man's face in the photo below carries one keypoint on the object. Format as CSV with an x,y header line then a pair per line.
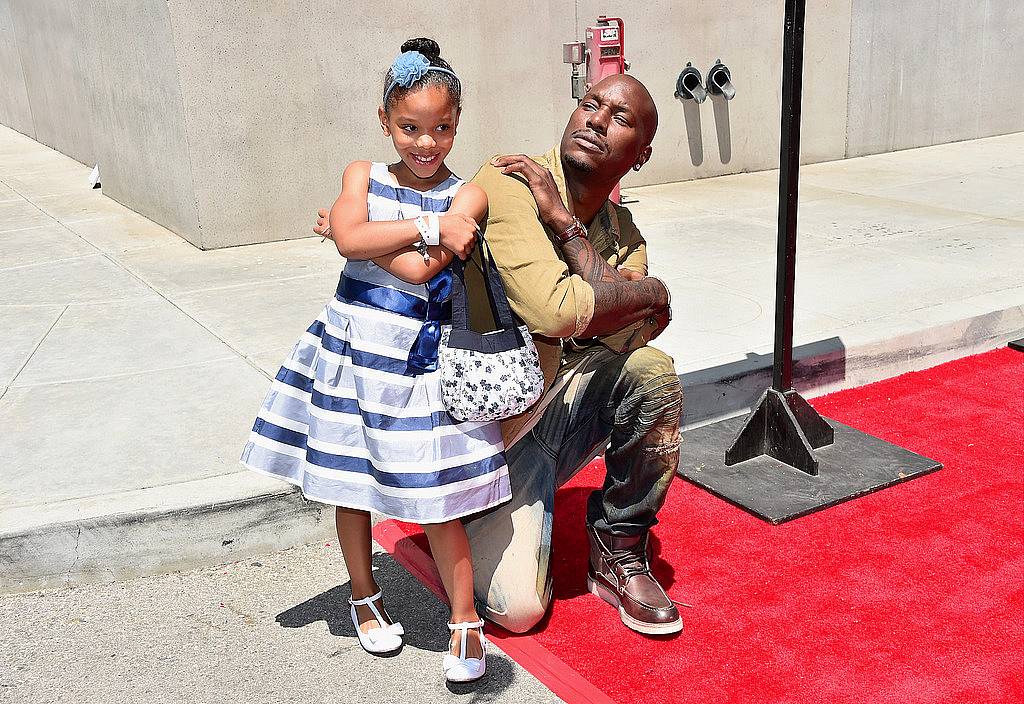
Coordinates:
x,y
610,130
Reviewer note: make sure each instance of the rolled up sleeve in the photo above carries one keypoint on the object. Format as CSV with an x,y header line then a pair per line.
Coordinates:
x,y
632,253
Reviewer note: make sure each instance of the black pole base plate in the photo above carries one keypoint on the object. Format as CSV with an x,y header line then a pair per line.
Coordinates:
x,y
784,426
855,464
1017,345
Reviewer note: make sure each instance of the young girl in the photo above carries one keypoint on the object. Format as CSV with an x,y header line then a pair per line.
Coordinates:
x,y
355,416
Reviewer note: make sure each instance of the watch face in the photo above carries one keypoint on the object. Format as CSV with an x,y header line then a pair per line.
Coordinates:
x,y
576,229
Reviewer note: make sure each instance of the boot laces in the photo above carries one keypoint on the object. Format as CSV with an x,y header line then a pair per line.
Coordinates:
x,y
630,563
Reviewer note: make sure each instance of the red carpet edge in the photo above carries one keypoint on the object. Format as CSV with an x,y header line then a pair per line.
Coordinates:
x,y
560,678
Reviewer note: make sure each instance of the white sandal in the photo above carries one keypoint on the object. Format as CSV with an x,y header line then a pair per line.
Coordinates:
x,y
385,639
461,668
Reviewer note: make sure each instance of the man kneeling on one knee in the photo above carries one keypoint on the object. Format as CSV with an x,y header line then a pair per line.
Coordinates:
x,y
575,269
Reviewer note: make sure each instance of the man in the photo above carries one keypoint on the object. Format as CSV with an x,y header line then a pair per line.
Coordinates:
x,y
575,269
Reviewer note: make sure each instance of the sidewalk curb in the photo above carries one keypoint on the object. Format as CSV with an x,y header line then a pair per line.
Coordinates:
x,y
829,365
240,522
230,517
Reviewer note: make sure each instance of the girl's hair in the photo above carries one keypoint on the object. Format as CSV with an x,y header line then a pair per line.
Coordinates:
x,y
432,52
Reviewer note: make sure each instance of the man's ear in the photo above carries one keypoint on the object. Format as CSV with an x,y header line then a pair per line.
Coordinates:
x,y
643,158
383,117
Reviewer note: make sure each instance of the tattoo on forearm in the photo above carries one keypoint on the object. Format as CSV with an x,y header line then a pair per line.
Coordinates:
x,y
583,259
617,301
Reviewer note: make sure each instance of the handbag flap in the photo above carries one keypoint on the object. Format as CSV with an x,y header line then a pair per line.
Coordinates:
x,y
488,342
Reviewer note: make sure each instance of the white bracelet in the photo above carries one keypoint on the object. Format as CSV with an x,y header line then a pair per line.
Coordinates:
x,y
423,227
433,236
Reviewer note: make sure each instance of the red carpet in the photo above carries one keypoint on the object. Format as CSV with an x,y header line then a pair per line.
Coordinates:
x,y
911,594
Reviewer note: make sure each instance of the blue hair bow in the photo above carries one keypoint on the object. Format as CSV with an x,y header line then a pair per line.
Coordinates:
x,y
409,67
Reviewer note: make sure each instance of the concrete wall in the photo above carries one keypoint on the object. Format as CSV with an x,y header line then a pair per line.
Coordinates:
x,y
15,111
54,55
933,71
98,80
279,100
231,121
137,112
719,136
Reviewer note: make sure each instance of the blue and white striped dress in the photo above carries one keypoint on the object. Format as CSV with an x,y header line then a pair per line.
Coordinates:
x,y
352,421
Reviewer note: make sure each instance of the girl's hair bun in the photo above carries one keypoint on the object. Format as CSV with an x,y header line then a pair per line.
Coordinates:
x,y
427,47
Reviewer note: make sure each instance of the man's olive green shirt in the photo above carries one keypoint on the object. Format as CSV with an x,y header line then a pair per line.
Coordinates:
x,y
553,303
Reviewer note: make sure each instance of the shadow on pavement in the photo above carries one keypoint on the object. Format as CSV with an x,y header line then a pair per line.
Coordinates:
x,y
422,615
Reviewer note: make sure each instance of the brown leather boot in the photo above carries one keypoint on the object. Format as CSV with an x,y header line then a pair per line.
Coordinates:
x,y
620,573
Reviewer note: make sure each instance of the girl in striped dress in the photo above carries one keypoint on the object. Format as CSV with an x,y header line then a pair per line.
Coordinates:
x,y
354,416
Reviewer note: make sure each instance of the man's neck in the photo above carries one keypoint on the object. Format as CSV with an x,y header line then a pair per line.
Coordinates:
x,y
587,195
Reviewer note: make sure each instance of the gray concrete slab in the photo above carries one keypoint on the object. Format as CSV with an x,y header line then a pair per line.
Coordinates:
x,y
41,245
230,312
34,178
20,215
728,194
124,232
8,194
983,193
181,268
853,289
92,340
272,628
88,279
85,204
853,218
24,328
126,431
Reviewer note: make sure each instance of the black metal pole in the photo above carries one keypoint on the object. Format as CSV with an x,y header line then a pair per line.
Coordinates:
x,y
789,175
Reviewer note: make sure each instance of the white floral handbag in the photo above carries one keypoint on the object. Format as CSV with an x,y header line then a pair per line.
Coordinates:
x,y
487,376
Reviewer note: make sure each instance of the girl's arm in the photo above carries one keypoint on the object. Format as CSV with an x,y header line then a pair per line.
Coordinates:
x,y
353,234
468,208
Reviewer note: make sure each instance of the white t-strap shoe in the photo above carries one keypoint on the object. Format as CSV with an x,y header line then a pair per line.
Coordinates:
x,y
385,639
461,668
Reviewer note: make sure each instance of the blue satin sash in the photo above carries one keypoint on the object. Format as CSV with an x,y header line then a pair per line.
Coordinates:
x,y
434,311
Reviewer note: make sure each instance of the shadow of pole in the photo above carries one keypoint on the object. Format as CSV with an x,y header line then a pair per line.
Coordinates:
x,y
726,390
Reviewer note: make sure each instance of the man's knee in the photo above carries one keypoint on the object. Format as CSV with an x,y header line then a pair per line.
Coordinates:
x,y
519,609
511,547
656,394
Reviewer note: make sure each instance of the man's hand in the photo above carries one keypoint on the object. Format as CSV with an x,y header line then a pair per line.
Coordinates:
x,y
323,227
663,318
458,234
553,212
629,274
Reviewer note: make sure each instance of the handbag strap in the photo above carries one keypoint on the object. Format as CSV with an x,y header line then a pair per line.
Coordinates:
x,y
495,292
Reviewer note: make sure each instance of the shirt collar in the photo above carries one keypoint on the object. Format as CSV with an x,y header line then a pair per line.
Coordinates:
x,y
604,230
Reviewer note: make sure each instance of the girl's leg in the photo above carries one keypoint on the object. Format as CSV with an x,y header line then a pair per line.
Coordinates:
x,y
354,537
450,548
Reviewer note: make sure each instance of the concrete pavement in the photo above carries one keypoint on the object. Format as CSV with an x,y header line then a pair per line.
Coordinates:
x,y
133,362
272,628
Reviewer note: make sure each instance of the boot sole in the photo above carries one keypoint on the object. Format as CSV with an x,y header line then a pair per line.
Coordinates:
x,y
653,629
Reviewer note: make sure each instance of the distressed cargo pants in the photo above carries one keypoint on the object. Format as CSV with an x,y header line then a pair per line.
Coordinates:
x,y
625,405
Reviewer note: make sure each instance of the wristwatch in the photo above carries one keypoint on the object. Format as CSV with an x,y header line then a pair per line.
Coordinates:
x,y
575,229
